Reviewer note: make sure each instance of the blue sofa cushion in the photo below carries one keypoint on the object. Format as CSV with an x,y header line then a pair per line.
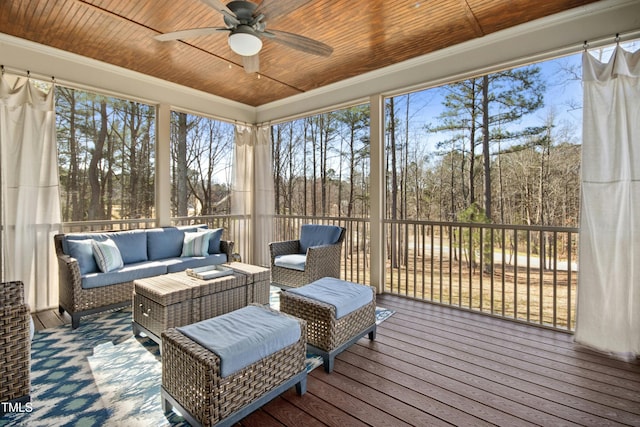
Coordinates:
x,y
164,243
125,274
107,255
292,261
344,296
242,337
132,245
195,244
318,235
182,263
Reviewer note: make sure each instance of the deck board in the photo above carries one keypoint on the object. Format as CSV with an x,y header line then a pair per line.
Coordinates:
x,y
433,365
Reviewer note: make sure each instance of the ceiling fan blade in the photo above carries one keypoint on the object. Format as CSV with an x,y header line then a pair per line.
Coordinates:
x,y
275,8
223,9
299,42
251,63
186,34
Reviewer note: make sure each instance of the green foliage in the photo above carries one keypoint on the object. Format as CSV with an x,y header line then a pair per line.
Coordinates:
x,y
474,213
470,239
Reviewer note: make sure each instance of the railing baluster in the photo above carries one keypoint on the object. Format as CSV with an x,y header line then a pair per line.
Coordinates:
x,y
515,274
569,280
480,302
528,234
504,268
541,261
555,279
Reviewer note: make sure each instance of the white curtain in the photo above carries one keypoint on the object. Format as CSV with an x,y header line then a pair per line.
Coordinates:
x,y
252,193
608,306
30,195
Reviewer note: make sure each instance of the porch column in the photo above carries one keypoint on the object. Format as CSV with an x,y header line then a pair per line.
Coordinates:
x,y
377,186
163,165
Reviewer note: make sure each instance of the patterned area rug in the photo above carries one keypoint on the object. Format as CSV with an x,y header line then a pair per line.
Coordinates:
x,y
100,375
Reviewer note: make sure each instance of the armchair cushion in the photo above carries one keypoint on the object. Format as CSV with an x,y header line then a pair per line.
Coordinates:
x,y
317,235
293,261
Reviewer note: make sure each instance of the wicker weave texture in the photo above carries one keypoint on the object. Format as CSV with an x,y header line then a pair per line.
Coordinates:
x,y
260,292
157,317
191,375
73,297
323,329
321,261
15,345
176,299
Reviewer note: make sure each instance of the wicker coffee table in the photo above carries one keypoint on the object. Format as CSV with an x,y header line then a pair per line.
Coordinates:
x,y
177,299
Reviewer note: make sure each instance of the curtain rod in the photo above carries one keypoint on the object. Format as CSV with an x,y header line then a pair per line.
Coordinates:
x,y
617,39
21,73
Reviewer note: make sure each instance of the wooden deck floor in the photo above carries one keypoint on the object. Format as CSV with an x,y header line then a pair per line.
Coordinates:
x,y
432,366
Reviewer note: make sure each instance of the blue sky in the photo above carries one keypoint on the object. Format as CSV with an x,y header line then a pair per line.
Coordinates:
x,y
563,94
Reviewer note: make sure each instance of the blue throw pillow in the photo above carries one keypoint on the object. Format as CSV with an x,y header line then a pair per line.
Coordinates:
x,y
107,255
195,244
215,235
82,251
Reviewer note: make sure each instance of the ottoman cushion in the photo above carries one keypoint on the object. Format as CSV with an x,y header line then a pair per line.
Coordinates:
x,y
242,337
344,296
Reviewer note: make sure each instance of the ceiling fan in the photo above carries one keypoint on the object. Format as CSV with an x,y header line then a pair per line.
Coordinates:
x,y
246,24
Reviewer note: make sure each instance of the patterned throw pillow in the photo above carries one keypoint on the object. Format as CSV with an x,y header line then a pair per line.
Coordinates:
x,y
195,244
107,255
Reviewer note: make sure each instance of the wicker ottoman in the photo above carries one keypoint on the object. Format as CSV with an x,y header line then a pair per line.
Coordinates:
x,y
328,335
192,379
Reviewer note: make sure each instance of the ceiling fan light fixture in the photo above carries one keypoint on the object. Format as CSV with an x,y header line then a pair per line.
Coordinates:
x,y
244,41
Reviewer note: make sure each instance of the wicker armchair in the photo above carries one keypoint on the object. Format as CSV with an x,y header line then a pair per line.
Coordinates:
x,y
319,260
15,344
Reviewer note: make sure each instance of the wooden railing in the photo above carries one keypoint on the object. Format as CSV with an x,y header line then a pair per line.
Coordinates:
x,y
523,273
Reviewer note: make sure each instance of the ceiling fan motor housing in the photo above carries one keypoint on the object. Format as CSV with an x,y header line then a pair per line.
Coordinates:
x,y
243,11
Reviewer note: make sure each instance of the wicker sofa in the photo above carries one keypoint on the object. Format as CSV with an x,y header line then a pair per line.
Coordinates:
x,y
15,344
84,288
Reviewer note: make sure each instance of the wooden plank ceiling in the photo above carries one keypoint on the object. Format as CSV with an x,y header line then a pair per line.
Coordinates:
x,y
365,35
